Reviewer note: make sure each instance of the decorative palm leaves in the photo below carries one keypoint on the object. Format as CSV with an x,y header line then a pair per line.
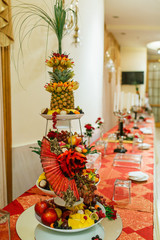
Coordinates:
x,y
54,21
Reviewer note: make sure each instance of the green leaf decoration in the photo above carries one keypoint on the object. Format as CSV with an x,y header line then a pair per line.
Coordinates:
x,y
37,150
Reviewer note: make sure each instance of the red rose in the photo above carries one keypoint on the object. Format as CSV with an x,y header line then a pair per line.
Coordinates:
x,y
114,216
88,126
98,119
129,117
135,136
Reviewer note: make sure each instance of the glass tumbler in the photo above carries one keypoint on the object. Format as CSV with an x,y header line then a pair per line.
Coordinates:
x,y
94,161
122,191
5,225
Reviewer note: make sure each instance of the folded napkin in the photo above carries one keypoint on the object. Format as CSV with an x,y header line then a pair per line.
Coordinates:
x,y
148,121
138,176
146,130
144,146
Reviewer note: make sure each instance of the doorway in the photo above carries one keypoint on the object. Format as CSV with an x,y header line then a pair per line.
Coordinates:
x,y
153,89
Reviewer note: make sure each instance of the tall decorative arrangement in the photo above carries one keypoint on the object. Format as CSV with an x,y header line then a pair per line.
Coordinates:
x,y
61,85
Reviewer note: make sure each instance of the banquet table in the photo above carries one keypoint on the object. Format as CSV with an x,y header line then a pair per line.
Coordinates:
x,y
137,216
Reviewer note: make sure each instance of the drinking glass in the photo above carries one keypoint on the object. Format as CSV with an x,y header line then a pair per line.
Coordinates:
x,y
5,225
112,143
122,191
94,161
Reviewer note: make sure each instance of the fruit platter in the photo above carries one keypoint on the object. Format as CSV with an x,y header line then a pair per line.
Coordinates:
x,y
77,218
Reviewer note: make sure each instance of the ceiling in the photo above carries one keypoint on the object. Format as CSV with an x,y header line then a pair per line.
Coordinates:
x,y
134,23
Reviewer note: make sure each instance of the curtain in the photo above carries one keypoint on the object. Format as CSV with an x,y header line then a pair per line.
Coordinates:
x,y
6,38
3,186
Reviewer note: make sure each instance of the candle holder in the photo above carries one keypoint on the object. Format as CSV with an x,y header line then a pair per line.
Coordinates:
x,y
135,110
121,116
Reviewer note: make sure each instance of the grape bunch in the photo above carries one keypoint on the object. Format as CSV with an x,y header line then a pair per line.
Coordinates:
x,y
100,199
63,136
86,189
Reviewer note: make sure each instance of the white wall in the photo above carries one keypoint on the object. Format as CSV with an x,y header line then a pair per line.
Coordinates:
x,y
134,59
28,93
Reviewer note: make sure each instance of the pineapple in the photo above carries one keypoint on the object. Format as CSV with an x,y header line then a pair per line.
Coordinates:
x,y
61,86
62,100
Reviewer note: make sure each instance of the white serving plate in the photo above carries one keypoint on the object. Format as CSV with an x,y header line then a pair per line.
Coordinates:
x,y
52,193
72,230
63,117
48,192
27,228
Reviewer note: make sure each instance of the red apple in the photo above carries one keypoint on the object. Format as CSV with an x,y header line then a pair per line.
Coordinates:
x,y
40,207
49,216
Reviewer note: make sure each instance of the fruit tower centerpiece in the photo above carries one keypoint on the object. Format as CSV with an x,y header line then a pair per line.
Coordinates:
x,y
63,154
65,174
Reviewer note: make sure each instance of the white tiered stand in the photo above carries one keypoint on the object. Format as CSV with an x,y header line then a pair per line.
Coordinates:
x,y
67,117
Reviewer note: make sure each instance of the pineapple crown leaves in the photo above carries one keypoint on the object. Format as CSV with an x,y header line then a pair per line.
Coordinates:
x,y
63,76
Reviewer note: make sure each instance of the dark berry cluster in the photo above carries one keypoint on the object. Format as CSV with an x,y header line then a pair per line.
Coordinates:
x,y
64,225
97,237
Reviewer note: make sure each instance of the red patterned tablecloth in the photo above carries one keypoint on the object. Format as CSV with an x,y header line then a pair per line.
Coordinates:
x,y
137,217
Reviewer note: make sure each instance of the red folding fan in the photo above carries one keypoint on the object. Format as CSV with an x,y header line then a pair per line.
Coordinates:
x,y
59,170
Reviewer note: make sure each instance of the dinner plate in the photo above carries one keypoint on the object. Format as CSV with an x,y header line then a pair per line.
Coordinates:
x,y
27,227
68,230
63,117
